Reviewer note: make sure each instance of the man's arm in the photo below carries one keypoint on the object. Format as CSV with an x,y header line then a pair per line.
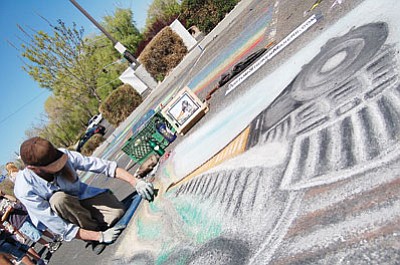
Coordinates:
x,y
122,174
110,168
87,235
145,189
108,236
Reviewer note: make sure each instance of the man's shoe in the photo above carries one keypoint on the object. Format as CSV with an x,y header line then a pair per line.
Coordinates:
x,y
53,246
98,247
57,238
41,262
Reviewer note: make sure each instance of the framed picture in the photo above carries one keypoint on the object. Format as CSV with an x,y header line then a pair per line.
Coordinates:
x,y
183,110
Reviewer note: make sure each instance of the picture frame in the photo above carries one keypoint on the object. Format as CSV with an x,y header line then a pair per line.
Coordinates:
x,y
184,110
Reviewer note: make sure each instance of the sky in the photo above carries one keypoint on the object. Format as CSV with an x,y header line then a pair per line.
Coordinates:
x,y
22,100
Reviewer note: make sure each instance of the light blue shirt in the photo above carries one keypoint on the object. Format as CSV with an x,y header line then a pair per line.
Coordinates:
x,y
35,192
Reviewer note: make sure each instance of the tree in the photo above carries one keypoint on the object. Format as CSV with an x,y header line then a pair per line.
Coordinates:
x,y
81,72
61,62
162,10
61,132
206,14
58,110
122,27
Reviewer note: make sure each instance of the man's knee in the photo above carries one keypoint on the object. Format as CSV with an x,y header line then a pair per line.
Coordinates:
x,y
119,212
113,216
61,200
57,199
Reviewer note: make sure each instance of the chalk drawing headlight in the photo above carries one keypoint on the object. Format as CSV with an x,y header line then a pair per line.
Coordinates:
x,y
338,60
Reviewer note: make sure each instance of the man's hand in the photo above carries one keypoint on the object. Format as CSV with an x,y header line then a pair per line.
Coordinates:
x,y
145,189
110,235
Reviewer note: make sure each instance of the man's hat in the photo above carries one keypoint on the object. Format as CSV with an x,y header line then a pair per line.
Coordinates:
x,y
41,153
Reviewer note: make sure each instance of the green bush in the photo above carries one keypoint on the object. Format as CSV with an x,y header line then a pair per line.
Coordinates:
x,y
165,51
120,104
91,144
206,14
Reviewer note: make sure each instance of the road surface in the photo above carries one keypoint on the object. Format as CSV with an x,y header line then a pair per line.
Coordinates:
x,y
296,162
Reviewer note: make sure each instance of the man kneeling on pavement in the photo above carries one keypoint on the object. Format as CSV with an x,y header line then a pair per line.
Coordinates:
x,y
56,198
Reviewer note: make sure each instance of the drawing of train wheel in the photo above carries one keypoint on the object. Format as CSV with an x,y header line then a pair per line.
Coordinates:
x,y
338,60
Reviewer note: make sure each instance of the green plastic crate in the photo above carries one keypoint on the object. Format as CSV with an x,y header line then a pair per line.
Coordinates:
x,y
137,147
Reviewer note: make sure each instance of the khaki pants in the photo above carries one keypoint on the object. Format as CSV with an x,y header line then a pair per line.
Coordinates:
x,y
97,213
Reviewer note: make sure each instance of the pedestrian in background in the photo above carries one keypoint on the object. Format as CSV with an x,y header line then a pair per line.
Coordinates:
x,y
12,171
21,252
15,214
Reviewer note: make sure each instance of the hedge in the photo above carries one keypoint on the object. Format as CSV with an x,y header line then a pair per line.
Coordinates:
x,y
91,144
120,104
165,51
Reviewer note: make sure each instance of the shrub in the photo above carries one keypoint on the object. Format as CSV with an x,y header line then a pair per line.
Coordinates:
x,y
152,30
206,14
91,144
120,104
163,53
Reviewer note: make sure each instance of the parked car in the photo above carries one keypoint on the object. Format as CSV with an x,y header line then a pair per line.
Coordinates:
x,y
95,120
89,133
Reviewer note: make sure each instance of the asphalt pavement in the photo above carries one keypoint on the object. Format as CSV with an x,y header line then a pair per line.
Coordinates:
x,y
296,161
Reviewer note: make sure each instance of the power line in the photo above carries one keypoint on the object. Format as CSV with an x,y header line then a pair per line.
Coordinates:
x,y
22,107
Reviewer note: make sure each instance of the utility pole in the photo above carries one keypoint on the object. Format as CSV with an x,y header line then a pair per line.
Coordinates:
x,y
117,45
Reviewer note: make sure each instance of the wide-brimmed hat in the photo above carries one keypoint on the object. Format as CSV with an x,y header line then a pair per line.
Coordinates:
x,y
41,153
